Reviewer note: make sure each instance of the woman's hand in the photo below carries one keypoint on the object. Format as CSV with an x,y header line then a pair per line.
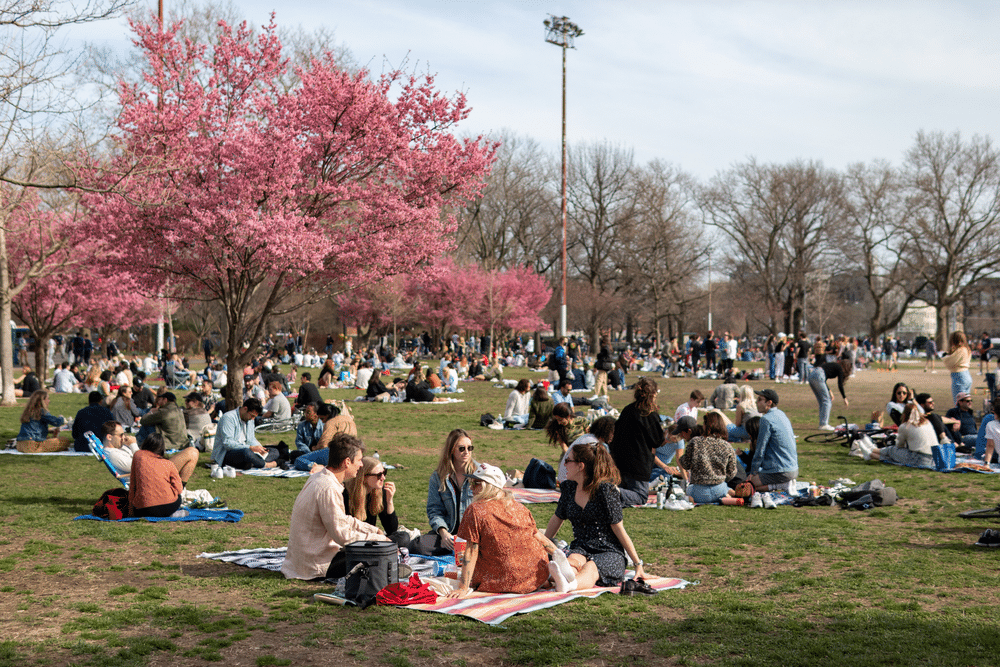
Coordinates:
x,y
390,491
639,572
460,593
447,539
845,401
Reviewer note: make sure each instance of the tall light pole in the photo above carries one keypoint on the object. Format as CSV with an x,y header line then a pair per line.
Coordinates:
x,y
562,32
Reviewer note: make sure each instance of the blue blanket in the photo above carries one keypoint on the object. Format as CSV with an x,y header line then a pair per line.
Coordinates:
x,y
232,516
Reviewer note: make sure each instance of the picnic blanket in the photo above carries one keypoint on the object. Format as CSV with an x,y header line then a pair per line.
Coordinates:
x,y
963,463
229,516
494,609
533,496
271,559
273,472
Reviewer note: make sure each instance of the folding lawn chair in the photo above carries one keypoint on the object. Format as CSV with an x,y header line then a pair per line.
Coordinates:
x,y
97,448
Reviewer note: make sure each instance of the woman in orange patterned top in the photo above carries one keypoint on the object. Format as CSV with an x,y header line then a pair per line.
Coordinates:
x,y
504,552
154,485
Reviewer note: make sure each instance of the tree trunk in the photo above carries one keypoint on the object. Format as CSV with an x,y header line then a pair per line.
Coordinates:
x,y
6,335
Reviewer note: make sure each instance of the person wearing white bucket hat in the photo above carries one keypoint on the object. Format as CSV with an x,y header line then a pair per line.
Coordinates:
x,y
504,550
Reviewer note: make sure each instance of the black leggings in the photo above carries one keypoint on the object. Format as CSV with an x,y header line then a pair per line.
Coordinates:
x,y
158,510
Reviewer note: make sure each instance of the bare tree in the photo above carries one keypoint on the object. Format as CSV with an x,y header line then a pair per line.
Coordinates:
x,y
664,252
601,196
779,220
877,216
515,220
954,190
34,71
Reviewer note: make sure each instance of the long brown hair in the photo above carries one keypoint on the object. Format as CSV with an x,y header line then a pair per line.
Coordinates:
x,y
364,502
714,426
34,410
957,340
445,467
598,466
645,391
555,430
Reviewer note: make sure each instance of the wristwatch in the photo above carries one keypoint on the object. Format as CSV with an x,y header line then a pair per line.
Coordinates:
x,y
640,563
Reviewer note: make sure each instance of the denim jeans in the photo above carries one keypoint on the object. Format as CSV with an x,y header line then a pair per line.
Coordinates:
x,y
634,492
306,461
803,370
707,494
817,381
961,381
736,433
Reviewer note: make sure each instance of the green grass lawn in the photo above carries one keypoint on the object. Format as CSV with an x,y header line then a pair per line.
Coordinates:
x,y
810,586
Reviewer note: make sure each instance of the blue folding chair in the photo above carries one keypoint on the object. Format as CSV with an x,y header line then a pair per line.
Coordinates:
x,y
97,448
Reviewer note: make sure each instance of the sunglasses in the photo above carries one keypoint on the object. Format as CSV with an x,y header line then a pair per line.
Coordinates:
x,y
464,449
570,461
380,475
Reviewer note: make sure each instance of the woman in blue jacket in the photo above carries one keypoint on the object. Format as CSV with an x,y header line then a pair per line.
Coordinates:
x,y
449,492
35,424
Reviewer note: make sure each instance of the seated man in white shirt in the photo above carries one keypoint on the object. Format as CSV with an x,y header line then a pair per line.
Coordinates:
x,y
364,376
277,406
320,526
119,449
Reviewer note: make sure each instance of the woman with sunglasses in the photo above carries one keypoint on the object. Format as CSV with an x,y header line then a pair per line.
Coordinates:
x,y
504,552
369,497
449,493
901,395
591,502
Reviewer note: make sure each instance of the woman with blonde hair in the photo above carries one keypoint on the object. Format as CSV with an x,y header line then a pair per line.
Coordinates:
x,y
745,409
957,362
913,441
449,493
504,551
35,423
369,496
590,500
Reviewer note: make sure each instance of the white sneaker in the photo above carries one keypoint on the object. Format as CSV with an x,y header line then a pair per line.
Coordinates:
x,y
769,502
756,500
217,472
229,471
827,427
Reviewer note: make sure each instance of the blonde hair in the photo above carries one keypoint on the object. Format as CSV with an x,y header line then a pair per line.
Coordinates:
x,y
363,501
491,492
445,467
748,400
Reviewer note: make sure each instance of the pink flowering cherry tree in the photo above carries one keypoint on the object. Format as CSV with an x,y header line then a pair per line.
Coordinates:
x,y
263,198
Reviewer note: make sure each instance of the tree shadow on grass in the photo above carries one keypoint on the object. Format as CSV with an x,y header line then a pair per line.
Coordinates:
x,y
79,505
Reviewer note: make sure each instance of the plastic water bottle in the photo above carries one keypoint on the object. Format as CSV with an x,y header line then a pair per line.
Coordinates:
x,y
376,456
661,497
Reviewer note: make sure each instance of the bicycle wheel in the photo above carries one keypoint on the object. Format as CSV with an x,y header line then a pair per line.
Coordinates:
x,y
826,437
274,427
987,513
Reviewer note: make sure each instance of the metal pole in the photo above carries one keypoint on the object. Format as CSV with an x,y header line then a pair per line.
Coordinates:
x,y
562,307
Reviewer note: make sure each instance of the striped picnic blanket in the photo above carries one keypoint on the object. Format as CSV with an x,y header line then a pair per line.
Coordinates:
x,y
532,496
493,609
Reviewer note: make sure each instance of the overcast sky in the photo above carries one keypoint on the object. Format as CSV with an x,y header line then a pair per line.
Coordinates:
x,y
702,84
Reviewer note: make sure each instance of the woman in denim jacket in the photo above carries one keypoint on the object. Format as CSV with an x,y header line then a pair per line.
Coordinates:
x,y
448,494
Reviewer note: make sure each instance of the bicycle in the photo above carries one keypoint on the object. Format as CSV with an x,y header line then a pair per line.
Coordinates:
x,y
279,425
846,435
985,513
